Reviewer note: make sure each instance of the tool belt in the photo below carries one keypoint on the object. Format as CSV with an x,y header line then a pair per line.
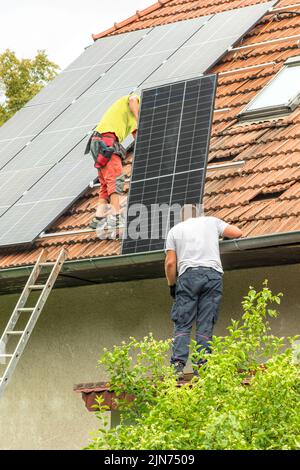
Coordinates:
x,y
101,152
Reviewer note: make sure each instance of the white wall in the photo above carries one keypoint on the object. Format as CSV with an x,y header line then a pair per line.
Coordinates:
x,y
39,409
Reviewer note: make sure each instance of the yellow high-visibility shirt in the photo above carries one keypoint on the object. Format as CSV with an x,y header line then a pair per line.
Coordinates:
x,y
119,119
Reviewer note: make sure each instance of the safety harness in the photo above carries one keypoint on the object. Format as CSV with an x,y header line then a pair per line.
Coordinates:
x,y
100,152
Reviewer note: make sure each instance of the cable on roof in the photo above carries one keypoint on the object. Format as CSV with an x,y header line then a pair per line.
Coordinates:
x,y
293,12
269,22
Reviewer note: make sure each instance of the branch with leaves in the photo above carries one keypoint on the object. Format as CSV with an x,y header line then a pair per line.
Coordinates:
x,y
22,79
215,410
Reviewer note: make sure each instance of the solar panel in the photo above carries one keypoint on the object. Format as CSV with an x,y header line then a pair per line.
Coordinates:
x,y
77,78
22,220
86,111
170,158
55,123
3,209
14,183
88,67
71,126
9,148
208,45
47,148
148,54
62,181
48,198
31,120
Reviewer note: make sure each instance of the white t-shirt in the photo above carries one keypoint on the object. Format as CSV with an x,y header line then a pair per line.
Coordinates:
x,y
196,243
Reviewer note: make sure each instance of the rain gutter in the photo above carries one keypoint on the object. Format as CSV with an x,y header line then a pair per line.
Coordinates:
x,y
139,262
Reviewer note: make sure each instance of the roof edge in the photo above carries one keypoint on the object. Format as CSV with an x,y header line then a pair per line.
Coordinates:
x,y
131,19
141,13
237,254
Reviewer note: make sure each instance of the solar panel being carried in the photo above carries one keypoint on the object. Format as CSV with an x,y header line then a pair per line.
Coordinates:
x,y
57,120
170,158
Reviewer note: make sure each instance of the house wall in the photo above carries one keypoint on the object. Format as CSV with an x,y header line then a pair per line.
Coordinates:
x,y
39,410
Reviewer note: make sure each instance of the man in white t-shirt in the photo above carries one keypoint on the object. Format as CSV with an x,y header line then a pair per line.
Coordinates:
x,y
192,251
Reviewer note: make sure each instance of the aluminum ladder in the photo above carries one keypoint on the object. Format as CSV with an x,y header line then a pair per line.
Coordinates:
x,y
34,312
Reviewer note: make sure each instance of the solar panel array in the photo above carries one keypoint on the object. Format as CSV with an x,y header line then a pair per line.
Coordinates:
x,y
49,132
170,158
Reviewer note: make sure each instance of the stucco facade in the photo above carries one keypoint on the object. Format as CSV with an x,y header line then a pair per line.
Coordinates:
x,y
39,409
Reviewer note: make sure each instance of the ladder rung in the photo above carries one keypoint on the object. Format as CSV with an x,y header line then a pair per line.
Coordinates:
x,y
37,286
11,330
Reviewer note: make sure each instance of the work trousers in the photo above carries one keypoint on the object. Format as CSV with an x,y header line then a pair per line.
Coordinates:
x,y
198,297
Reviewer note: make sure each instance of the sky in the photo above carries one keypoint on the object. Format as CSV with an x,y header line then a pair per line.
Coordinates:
x,y
62,27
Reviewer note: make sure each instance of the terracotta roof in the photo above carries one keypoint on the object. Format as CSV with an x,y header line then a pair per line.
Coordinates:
x,y
271,149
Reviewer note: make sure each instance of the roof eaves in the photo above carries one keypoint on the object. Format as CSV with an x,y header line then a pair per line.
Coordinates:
x,y
236,254
131,19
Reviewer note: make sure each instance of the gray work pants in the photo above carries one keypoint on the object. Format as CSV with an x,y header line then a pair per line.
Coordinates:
x,y
198,296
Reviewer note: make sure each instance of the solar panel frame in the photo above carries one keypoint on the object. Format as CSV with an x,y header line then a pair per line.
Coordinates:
x,y
166,186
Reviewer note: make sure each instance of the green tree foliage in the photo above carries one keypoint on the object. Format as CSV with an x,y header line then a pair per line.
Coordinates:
x,y
217,410
21,80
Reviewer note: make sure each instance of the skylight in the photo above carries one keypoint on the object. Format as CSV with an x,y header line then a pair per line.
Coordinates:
x,y
280,96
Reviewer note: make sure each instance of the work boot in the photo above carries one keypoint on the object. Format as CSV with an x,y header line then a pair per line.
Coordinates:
x,y
196,367
98,223
178,367
115,223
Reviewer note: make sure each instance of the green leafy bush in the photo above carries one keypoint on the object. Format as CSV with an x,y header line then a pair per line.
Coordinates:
x,y
217,410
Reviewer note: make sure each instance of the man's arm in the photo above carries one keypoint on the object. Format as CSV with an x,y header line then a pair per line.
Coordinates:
x,y
134,106
170,267
231,231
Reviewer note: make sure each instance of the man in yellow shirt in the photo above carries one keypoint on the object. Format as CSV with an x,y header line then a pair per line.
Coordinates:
x,y
118,122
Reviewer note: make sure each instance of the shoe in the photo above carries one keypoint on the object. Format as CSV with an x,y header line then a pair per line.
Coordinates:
x,y
98,223
115,224
178,367
115,221
202,364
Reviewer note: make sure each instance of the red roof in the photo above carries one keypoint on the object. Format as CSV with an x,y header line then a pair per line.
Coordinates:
x,y
270,149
